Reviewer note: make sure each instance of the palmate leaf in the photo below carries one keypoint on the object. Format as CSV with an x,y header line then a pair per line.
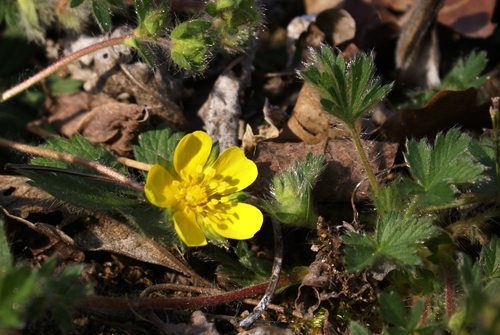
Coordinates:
x,y
438,170
395,241
155,145
484,152
101,14
349,90
490,258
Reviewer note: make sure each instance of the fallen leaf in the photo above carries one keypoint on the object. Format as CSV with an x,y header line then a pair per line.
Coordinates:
x,y
470,18
337,24
447,109
98,118
343,171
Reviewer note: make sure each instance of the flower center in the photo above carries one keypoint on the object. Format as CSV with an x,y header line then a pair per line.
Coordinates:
x,y
197,190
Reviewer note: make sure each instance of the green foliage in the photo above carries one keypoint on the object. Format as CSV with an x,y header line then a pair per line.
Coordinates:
x,y
191,43
464,74
395,241
84,192
156,146
484,152
291,202
234,22
357,329
349,90
490,258
101,14
437,171
27,293
152,21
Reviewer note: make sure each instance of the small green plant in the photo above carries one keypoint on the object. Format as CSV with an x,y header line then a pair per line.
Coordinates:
x,y
407,243
26,294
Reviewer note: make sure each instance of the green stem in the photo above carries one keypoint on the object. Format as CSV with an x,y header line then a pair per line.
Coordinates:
x,y
462,202
364,160
413,206
497,165
60,63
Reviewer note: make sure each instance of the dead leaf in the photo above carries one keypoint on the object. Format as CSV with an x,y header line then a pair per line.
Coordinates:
x,y
98,118
198,325
265,132
316,6
337,24
470,18
447,109
343,171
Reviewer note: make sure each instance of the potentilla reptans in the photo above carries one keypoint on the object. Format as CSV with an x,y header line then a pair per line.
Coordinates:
x,y
202,194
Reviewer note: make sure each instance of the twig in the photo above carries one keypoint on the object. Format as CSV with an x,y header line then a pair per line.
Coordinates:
x,y
174,303
60,63
273,283
134,164
74,159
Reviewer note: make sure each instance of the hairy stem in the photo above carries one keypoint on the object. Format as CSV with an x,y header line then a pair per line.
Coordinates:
x,y
173,303
413,206
364,160
273,283
74,159
59,64
462,202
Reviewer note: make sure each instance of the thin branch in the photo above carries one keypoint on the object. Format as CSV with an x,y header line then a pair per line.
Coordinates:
x,y
60,63
74,159
273,283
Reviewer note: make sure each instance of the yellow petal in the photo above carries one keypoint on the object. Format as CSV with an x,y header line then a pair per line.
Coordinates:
x,y
188,230
235,169
192,151
238,221
159,189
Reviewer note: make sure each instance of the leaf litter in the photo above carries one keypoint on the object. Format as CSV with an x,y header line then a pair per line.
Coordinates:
x,y
122,96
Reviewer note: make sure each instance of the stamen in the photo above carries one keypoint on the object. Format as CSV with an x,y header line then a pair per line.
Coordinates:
x,y
176,183
211,206
222,187
199,209
224,200
199,169
214,201
210,172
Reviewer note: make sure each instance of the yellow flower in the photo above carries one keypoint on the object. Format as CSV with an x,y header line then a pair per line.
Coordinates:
x,y
200,195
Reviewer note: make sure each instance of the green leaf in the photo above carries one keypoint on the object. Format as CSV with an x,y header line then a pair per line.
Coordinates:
x,y
388,200
347,91
75,3
392,309
5,256
59,85
395,240
440,169
81,191
490,258
484,152
143,50
415,314
466,72
101,14
156,145
357,329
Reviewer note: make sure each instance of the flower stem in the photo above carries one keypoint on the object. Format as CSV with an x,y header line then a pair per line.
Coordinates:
x,y
192,302
273,283
364,160
59,64
73,159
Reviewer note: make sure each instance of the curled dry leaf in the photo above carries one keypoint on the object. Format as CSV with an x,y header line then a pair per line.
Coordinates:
x,y
222,110
265,132
343,171
100,119
447,109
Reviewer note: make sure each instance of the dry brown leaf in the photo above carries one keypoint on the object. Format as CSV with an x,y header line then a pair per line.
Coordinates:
x,y
265,132
316,6
98,118
337,24
343,171
447,109
309,122
470,18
